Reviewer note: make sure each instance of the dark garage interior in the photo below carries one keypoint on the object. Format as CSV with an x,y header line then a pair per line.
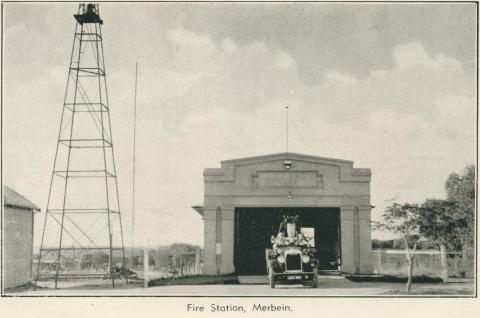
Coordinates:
x,y
255,226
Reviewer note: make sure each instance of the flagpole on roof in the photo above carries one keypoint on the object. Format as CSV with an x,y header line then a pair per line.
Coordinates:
x,y
286,135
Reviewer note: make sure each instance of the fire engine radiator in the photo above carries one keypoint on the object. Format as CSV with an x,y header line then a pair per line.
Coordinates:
x,y
293,262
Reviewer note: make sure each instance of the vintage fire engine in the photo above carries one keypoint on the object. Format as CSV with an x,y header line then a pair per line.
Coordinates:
x,y
291,259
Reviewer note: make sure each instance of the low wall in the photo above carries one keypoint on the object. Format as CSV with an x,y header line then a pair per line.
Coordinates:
x,y
426,262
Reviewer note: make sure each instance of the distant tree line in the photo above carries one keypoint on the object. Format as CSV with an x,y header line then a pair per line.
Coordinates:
x,y
160,256
399,243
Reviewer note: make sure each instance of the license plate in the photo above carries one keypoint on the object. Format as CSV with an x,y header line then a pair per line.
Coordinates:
x,y
294,277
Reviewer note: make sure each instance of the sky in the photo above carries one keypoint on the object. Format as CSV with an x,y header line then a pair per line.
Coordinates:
x,y
388,86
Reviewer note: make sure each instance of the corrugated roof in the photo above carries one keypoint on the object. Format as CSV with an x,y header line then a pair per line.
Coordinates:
x,y
14,199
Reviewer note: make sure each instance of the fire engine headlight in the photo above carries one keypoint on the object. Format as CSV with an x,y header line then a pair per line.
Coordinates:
x,y
305,258
281,259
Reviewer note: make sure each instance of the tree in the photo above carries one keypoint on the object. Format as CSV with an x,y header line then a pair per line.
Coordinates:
x,y
382,243
87,261
400,242
401,219
461,191
100,260
441,222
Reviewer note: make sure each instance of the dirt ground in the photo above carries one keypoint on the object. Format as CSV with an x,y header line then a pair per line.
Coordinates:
x,y
328,286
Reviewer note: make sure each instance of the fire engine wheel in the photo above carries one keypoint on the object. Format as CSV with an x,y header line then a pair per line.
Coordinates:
x,y
271,280
315,277
270,273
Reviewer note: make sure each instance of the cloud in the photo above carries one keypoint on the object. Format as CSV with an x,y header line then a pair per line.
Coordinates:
x,y
283,60
229,46
413,86
191,52
411,55
216,100
333,78
401,122
203,100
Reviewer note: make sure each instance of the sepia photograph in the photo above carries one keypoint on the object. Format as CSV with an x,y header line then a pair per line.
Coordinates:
x,y
239,149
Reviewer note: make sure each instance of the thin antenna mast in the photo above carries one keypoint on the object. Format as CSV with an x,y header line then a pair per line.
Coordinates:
x,y
134,155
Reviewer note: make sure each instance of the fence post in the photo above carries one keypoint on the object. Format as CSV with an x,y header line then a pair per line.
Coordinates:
x,y
197,262
443,262
380,252
181,263
145,263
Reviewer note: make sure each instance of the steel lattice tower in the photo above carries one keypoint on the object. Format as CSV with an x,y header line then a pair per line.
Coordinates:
x,y
82,234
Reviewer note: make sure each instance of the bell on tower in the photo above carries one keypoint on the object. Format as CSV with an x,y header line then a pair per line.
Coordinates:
x,y
89,14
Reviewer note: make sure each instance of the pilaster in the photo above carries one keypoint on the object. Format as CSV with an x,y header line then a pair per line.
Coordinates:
x,y
347,221
227,240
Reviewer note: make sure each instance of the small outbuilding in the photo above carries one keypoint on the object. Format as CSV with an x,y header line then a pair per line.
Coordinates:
x,y
18,221
245,199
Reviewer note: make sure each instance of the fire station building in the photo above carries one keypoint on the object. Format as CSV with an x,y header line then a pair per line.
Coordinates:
x,y
245,199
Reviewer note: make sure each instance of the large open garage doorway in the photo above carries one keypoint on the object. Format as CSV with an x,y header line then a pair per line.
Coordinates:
x,y
255,226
